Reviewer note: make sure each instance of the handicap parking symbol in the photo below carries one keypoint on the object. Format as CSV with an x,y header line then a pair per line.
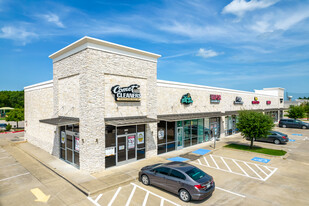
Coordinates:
x,y
291,140
259,159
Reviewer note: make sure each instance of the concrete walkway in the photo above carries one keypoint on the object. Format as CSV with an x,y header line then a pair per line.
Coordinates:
x,y
114,177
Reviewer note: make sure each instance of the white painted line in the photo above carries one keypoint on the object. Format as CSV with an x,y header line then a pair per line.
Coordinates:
x,y
267,168
114,197
261,169
234,193
206,161
162,202
199,161
270,174
146,198
253,171
94,202
230,172
9,165
14,176
226,164
155,194
131,195
99,196
214,161
241,168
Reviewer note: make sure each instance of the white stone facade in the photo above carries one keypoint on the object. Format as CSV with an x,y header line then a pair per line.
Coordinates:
x,y
83,75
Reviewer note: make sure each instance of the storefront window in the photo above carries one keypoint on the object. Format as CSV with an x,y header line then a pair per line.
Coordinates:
x,y
187,133
206,129
141,142
110,144
166,137
200,131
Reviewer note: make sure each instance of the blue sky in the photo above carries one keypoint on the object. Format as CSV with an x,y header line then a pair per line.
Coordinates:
x,y
233,44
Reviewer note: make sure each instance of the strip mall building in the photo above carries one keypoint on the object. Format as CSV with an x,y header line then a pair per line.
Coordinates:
x,y
105,107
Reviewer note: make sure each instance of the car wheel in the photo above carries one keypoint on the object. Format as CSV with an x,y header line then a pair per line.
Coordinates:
x,y
277,141
304,127
284,126
145,179
184,195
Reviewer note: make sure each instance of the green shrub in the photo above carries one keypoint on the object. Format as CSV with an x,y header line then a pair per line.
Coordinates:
x,y
8,127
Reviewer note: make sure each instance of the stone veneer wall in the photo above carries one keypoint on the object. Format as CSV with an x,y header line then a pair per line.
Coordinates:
x,y
39,105
97,71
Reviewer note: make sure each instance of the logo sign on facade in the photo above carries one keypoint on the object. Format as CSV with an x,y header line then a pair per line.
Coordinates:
x,y
238,100
256,101
215,98
281,100
186,99
126,94
268,102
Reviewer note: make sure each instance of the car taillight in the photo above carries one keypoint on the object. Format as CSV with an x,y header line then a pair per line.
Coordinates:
x,y
283,137
199,187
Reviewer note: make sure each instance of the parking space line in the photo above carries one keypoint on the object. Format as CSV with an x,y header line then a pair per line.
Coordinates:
x,y
253,170
167,200
114,197
94,202
9,165
206,161
229,167
14,176
260,169
146,198
131,195
234,193
162,202
214,161
241,168
99,196
226,164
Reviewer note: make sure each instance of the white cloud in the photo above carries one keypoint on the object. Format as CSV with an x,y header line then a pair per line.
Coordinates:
x,y
240,7
207,53
14,33
53,18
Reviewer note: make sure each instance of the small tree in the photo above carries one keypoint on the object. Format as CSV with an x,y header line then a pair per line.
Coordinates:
x,y
296,112
15,115
254,125
8,127
306,109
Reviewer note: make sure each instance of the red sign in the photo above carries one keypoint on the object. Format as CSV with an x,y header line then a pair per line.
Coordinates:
x,y
268,102
215,98
255,101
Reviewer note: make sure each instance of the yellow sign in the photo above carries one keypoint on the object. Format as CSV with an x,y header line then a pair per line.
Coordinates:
x,y
40,196
255,98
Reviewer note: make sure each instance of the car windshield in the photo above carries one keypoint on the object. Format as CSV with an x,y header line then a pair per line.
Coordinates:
x,y
196,173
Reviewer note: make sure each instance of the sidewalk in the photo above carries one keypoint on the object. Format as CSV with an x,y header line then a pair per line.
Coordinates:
x,y
114,177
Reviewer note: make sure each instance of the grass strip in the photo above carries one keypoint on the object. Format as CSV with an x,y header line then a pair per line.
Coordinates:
x,y
256,149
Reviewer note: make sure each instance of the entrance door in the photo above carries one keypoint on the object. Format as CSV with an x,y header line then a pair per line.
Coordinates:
x,y
179,137
214,130
126,148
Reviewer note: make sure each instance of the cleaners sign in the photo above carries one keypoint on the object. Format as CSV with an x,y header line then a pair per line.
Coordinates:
x,y
126,94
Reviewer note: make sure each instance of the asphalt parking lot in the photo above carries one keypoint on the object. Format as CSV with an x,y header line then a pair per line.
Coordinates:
x,y
239,179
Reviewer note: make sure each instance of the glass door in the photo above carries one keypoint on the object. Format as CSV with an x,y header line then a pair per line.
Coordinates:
x,y
121,148
179,137
126,148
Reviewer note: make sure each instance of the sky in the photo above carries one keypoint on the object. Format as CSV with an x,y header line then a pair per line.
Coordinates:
x,y
235,44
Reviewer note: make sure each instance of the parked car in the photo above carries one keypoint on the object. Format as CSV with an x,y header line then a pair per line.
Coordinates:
x,y
293,123
183,179
3,126
274,137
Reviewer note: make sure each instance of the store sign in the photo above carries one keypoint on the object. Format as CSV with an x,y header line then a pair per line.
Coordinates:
x,y
186,99
214,98
109,151
140,138
161,134
131,142
126,94
77,143
268,102
238,100
62,137
255,101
